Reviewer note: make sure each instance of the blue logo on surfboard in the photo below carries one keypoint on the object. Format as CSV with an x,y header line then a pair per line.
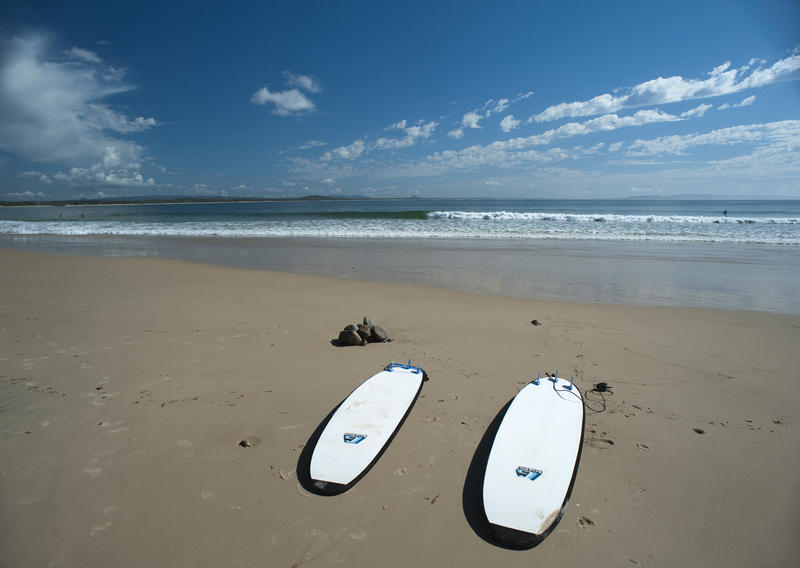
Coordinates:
x,y
354,438
528,472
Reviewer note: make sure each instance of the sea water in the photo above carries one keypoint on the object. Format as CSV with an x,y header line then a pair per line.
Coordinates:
x,y
745,222
722,254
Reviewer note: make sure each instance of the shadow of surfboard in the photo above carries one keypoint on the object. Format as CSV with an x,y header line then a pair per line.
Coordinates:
x,y
472,494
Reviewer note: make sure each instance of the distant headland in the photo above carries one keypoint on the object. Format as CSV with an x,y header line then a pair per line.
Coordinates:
x,y
153,200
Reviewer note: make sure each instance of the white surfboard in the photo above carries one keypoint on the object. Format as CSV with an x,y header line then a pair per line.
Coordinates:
x,y
534,460
363,424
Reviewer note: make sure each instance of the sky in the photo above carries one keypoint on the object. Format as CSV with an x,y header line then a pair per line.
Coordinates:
x,y
396,99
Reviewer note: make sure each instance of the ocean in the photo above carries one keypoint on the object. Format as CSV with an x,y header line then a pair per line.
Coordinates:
x,y
720,254
743,222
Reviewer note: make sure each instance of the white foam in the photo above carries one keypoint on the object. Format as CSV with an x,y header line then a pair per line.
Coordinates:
x,y
606,217
447,225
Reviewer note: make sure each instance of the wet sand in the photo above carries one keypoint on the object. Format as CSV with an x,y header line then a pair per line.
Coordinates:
x,y
126,385
709,275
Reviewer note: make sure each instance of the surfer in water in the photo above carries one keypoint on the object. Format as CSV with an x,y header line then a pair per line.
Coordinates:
x,y
725,213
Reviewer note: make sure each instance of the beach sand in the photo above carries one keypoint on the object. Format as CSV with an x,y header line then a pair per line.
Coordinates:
x,y
126,386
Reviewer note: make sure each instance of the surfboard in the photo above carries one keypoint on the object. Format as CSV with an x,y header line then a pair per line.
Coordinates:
x,y
533,461
362,426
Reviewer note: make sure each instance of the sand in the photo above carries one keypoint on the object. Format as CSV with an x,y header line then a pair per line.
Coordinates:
x,y
126,386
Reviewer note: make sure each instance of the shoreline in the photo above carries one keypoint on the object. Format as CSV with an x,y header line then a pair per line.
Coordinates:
x,y
129,382
718,275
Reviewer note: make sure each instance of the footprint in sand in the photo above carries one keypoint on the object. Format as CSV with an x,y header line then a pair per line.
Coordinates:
x,y
585,523
601,443
118,427
101,528
643,447
92,468
188,448
207,494
31,500
319,548
101,399
97,530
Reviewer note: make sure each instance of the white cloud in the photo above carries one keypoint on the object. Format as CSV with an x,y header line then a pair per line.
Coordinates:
x,y
515,152
785,132
305,82
83,55
290,101
23,195
42,177
611,122
102,117
349,152
509,123
304,146
471,119
51,110
519,152
286,102
501,105
721,81
593,149
697,111
397,125
114,169
311,144
615,147
413,134
743,103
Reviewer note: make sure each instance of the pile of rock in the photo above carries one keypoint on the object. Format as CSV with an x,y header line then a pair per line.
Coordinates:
x,y
363,333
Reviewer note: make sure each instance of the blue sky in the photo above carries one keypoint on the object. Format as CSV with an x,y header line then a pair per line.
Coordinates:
x,y
438,99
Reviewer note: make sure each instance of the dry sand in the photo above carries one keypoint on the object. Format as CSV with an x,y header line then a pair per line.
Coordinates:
x,y
126,385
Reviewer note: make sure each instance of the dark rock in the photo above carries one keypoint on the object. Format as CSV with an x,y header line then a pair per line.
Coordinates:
x,y
379,333
364,331
349,337
351,327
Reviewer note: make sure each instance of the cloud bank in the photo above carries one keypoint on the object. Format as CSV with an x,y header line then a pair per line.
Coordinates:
x,y
53,110
722,80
